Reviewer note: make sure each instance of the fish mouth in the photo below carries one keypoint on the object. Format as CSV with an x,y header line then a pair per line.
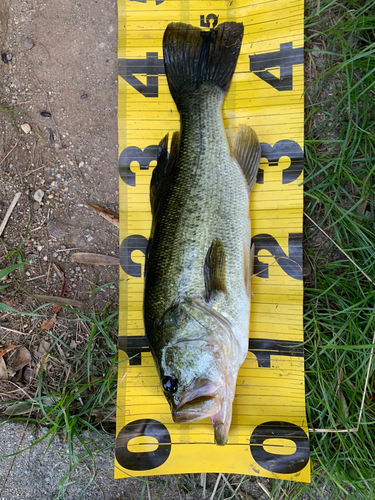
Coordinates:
x,y
200,402
200,408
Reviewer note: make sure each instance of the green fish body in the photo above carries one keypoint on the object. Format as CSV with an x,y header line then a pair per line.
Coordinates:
x,y
198,261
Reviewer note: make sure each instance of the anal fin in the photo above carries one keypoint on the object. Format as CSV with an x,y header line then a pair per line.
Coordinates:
x,y
247,152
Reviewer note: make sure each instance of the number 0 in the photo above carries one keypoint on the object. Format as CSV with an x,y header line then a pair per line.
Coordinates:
x,y
143,460
281,464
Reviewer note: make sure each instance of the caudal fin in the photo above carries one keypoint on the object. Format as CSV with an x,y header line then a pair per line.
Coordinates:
x,y
193,57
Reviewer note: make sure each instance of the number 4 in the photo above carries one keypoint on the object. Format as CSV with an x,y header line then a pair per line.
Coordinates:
x,y
285,59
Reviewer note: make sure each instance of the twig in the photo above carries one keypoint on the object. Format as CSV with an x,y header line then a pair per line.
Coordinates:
x,y
6,156
9,212
355,429
178,489
216,485
36,277
365,389
13,331
341,250
67,249
264,489
203,483
35,170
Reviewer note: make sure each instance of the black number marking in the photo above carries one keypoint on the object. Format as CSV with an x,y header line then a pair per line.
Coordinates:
x,y
285,59
273,154
132,153
152,67
210,18
146,460
127,247
291,265
281,464
263,349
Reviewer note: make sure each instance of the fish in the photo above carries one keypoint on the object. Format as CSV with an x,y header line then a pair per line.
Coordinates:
x,y
196,302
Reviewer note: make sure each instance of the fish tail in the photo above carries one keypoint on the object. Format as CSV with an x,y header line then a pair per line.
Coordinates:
x,y
193,57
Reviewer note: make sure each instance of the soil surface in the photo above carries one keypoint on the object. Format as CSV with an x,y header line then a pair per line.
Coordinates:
x,y
62,63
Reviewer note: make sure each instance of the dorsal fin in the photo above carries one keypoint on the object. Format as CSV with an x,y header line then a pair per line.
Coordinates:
x,y
247,152
164,162
161,166
214,270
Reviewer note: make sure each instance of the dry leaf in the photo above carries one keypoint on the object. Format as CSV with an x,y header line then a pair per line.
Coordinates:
x,y
60,300
18,409
95,259
48,323
28,375
111,217
20,359
3,370
4,351
43,348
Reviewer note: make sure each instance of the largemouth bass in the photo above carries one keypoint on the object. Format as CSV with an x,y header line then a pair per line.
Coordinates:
x,y
198,260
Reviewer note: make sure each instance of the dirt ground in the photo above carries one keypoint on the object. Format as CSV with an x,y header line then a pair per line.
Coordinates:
x,y
62,61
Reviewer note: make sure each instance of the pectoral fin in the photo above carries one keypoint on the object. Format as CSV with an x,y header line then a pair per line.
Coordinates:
x,y
214,270
247,152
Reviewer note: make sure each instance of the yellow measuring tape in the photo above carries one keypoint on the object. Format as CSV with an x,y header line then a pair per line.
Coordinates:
x,y
268,436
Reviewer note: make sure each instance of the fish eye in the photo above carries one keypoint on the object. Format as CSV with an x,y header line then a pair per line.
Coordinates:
x,y
170,384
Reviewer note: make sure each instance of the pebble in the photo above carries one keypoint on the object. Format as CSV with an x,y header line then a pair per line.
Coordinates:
x,y
45,257
38,195
26,128
55,231
36,206
27,43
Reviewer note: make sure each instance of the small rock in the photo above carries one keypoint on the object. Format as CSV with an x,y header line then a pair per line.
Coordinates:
x,y
45,257
26,128
36,206
50,196
40,248
81,164
27,43
55,231
38,195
